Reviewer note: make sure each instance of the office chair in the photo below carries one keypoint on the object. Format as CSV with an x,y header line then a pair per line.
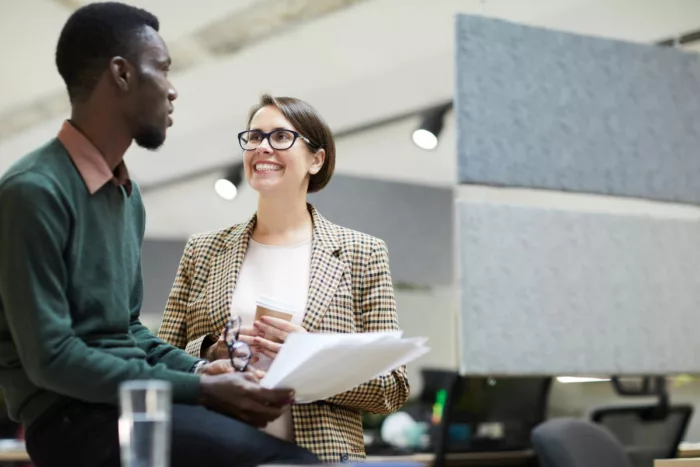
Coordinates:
x,y
647,432
567,442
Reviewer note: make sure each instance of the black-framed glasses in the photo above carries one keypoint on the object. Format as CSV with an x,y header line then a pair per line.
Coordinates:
x,y
277,139
239,352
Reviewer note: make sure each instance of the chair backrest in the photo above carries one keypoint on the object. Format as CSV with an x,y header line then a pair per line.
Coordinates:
x,y
568,442
646,433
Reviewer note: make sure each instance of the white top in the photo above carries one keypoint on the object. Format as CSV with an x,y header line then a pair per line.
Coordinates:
x,y
278,274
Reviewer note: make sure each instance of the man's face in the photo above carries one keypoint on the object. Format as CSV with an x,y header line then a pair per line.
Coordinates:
x,y
151,98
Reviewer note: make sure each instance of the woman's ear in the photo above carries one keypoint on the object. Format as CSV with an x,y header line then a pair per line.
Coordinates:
x,y
319,157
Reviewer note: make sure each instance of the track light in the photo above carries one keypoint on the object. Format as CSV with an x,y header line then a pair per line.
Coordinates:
x,y
228,186
426,136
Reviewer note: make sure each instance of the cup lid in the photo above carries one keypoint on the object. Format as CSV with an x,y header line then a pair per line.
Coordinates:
x,y
276,305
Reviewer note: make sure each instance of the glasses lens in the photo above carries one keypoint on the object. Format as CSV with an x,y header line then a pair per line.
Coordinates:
x,y
241,350
241,355
281,139
236,326
250,139
229,336
232,330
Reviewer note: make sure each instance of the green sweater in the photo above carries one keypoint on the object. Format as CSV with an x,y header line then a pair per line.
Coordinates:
x,y
71,290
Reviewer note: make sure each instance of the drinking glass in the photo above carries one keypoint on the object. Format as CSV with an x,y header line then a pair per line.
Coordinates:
x,y
144,423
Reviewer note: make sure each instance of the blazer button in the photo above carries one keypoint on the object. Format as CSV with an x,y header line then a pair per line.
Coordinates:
x,y
344,458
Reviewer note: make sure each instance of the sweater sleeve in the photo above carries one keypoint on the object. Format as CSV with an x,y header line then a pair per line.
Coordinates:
x,y
34,226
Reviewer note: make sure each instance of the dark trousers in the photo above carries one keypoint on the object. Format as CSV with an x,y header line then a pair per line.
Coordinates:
x,y
83,434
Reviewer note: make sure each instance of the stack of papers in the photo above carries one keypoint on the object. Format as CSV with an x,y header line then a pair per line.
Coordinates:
x,y
319,366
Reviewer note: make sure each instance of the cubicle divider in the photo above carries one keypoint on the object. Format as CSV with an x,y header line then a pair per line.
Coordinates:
x,y
577,219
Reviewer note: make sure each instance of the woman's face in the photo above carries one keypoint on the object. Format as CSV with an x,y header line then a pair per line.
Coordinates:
x,y
270,170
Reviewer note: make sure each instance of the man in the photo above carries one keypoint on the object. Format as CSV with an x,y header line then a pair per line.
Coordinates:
x,y
71,228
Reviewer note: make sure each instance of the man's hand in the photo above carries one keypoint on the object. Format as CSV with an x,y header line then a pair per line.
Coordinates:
x,y
240,395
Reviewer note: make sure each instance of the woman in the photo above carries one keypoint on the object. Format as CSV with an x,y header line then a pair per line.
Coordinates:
x,y
333,279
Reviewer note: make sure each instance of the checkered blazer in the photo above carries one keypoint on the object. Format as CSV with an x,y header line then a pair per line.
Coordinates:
x,y
350,290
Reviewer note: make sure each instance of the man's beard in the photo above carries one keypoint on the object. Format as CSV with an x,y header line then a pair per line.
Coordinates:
x,y
150,138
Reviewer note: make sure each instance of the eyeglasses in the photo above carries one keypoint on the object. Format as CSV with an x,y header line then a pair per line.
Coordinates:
x,y
277,139
239,352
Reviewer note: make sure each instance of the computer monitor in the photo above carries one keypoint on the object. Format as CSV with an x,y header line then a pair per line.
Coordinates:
x,y
485,413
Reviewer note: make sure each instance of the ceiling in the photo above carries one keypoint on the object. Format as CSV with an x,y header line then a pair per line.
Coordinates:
x,y
357,61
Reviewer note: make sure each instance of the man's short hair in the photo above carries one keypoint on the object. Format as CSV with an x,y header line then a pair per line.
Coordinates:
x,y
92,36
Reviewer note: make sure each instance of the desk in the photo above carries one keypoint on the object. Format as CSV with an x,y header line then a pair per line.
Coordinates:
x,y
687,450
15,452
12,450
14,455
522,458
687,462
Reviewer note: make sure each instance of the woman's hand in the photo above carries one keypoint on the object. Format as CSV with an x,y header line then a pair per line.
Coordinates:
x,y
269,335
216,367
222,366
219,350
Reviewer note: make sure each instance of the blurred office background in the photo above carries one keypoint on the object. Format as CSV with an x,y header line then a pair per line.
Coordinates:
x,y
375,69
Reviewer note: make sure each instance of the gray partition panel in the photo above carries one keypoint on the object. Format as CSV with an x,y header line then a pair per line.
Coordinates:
x,y
556,292
159,260
416,222
545,109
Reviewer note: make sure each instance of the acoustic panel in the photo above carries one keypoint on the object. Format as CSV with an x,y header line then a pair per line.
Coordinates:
x,y
415,221
549,291
545,109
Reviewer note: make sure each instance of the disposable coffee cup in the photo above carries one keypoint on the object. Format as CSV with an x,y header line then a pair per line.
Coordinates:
x,y
268,307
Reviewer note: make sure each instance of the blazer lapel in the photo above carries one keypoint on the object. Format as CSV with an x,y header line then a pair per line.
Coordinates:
x,y
224,272
326,270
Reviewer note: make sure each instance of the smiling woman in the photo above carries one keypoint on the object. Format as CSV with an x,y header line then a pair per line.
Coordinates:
x,y
326,277
270,144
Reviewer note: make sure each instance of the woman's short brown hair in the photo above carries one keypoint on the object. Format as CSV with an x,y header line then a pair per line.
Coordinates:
x,y
310,124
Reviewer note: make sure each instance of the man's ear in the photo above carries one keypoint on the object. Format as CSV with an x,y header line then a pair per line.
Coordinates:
x,y
121,73
319,157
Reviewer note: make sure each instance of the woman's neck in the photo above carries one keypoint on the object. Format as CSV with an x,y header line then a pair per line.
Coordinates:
x,y
282,221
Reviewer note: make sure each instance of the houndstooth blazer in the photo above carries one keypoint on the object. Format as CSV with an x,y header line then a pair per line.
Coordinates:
x,y
350,290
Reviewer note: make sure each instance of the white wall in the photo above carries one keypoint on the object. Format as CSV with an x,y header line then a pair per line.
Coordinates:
x,y
579,399
429,313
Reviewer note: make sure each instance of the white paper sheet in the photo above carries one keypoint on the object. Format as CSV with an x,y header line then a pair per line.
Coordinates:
x,y
319,366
